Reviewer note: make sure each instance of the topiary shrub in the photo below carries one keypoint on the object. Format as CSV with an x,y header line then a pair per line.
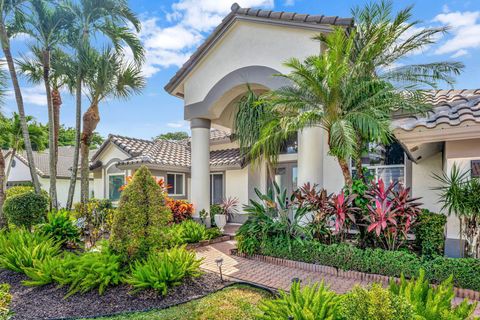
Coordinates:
x,y
430,233
17,190
26,209
138,224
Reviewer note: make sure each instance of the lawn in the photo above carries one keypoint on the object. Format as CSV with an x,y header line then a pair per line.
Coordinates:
x,y
237,302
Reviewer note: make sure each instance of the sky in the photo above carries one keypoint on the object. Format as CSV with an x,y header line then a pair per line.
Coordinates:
x,y
172,30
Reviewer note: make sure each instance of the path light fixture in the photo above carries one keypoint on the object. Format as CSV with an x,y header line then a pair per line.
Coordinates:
x,y
219,262
295,280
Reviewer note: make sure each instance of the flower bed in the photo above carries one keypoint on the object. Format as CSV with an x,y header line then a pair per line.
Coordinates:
x,y
465,271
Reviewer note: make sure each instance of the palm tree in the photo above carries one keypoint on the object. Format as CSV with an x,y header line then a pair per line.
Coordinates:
x,y
11,20
109,76
352,89
112,19
46,24
2,180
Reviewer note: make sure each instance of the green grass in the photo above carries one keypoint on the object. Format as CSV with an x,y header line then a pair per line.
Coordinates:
x,y
233,303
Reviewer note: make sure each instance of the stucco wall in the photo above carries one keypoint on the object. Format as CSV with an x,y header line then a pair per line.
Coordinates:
x,y
236,185
248,44
423,181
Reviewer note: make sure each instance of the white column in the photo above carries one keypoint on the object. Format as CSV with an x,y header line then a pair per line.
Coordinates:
x,y
200,165
310,156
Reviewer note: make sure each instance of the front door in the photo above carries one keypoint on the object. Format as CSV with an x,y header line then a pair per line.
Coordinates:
x,y
286,176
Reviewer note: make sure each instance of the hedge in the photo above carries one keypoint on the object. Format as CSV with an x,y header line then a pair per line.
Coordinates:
x,y
430,233
466,271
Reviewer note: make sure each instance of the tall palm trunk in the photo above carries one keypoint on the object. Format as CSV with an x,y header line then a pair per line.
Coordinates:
x,y
9,165
78,124
90,120
2,190
347,176
21,109
358,159
51,131
57,104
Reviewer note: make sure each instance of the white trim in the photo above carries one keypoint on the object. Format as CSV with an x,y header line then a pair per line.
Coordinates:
x,y
107,181
175,181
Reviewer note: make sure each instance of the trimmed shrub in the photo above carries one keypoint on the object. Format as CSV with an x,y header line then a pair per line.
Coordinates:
x,y
19,249
5,299
374,303
312,302
26,209
164,269
141,218
17,190
430,233
61,227
466,271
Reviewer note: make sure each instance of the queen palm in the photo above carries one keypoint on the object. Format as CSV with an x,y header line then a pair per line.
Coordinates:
x,y
46,24
11,21
112,19
109,76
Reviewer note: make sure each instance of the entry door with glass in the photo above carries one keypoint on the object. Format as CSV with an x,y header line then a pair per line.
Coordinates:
x,y
286,176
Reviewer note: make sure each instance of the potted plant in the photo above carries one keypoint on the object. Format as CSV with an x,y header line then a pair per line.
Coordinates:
x,y
228,209
220,220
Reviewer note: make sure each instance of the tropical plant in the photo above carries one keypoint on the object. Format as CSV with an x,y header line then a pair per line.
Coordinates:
x,y
85,272
173,136
312,302
5,300
94,219
61,227
113,19
432,303
109,76
165,269
344,212
12,16
141,217
192,232
20,249
229,207
181,209
26,209
374,303
459,195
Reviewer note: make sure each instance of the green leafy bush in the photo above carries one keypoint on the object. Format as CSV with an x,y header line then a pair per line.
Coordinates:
x,y
164,269
19,249
17,190
139,222
45,271
430,233
61,226
466,271
94,219
5,299
374,303
26,209
315,302
432,303
193,232
90,270
212,233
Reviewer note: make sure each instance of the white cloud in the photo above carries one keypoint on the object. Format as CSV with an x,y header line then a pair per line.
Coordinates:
x,y
31,95
190,21
178,124
289,3
460,53
465,31
446,8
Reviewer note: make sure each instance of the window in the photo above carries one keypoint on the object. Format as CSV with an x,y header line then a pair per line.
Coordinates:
x,y
475,164
385,162
176,184
216,188
115,182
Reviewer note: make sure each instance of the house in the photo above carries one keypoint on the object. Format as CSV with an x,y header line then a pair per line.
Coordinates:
x,y
249,48
20,172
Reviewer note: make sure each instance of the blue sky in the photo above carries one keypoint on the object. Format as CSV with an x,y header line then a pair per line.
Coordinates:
x,y
173,29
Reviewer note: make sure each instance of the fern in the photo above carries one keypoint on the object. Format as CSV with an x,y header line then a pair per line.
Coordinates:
x,y
163,270
315,302
432,303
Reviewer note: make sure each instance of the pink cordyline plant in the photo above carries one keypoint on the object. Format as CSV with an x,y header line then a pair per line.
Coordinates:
x,y
344,211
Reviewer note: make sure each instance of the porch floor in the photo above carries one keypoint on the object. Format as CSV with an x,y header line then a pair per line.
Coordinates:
x,y
271,275
231,228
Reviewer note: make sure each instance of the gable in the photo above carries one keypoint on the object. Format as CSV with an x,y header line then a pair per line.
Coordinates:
x,y
112,151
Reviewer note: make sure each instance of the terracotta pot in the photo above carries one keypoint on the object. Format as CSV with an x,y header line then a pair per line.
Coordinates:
x,y
220,221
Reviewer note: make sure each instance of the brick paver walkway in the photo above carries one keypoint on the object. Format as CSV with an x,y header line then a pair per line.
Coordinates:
x,y
264,273
270,275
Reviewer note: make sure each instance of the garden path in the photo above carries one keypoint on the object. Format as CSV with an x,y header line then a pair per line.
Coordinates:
x,y
270,275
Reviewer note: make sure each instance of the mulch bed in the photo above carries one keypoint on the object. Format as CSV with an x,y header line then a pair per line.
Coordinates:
x,y
47,302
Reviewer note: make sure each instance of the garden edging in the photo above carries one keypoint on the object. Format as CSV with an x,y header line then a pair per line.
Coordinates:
x,y
209,242
361,276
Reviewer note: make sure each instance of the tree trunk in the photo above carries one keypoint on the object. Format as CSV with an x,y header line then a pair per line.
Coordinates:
x,y
358,159
9,166
57,104
21,110
90,120
2,189
51,131
346,172
78,124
